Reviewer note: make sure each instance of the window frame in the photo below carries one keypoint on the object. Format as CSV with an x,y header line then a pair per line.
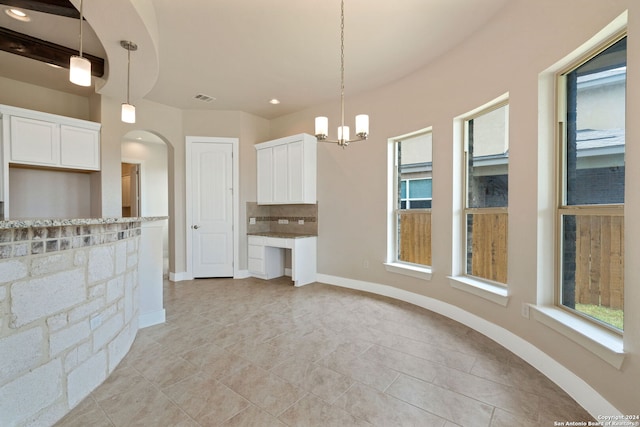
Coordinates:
x,y
562,208
466,210
393,263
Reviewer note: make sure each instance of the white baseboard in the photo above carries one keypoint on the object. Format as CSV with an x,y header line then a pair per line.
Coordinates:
x,y
179,277
575,386
242,274
153,318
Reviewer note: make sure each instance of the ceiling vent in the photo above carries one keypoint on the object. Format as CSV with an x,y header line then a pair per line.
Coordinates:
x,y
204,98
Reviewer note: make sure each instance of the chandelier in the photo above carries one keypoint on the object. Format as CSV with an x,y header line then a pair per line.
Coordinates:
x,y
362,120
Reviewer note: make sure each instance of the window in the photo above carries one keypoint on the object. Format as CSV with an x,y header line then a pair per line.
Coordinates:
x,y
415,193
591,208
412,198
485,206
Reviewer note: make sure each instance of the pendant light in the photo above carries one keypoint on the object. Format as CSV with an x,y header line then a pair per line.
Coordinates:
x,y
79,67
362,120
128,109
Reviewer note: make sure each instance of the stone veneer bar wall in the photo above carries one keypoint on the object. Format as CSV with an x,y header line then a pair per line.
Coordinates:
x,y
68,312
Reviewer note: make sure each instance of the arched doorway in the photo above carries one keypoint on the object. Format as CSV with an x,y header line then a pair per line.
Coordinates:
x,y
145,180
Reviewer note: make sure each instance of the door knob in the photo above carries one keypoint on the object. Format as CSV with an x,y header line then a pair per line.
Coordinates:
x,y
195,227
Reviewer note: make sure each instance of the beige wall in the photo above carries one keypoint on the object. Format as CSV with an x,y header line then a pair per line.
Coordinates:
x,y
32,97
507,56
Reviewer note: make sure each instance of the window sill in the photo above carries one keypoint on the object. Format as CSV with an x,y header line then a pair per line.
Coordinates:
x,y
423,273
486,290
603,343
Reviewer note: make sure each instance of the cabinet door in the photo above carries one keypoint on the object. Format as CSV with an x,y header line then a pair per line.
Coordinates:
x,y
34,142
265,175
280,174
296,172
79,148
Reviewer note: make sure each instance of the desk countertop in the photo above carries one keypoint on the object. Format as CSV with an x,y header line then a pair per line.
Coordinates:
x,y
281,235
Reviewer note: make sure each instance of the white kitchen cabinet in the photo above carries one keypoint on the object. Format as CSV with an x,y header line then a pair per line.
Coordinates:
x,y
38,139
266,258
34,142
79,148
265,262
287,170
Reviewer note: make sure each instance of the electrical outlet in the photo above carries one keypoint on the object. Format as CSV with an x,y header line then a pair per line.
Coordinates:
x,y
252,221
525,310
365,263
301,221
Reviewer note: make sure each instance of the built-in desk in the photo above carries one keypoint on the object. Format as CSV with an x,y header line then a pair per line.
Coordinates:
x,y
266,256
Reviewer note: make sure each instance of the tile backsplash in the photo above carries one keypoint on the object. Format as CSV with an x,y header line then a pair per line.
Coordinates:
x,y
271,218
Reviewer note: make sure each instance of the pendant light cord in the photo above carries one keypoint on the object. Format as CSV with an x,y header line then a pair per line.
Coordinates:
x,y
81,28
342,67
128,73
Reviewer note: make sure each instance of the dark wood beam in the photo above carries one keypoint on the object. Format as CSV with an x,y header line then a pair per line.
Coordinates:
x,y
41,50
54,7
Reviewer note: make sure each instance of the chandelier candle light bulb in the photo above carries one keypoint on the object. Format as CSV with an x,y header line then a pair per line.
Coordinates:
x,y
322,127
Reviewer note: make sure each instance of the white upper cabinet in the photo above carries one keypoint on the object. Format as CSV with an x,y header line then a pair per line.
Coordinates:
x,y
47,140
287,170
79,148
34,142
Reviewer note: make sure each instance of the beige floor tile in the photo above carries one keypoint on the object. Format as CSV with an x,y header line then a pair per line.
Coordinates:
x,y
143,405
253,417
206,400
505,419
310,411
513,400
214,362
366,371
402,362
263,389
262,354
87,413
319,380
245,352
442,402
381,409
164,369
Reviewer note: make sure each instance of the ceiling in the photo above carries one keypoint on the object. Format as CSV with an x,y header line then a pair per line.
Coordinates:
x,y
244,53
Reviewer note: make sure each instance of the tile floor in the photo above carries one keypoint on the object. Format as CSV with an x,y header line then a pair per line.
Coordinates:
x,y
257,353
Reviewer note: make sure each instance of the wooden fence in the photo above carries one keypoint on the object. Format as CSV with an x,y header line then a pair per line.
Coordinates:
x,y
599,252
600,260
489,246
415,236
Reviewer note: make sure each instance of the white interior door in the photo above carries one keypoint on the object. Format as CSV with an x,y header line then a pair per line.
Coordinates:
x,y
212,209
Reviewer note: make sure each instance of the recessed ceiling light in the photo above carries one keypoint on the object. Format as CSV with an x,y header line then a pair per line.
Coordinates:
x,y
17,14
274,101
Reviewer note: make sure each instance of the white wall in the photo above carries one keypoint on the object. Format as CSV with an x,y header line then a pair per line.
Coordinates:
x,y
154,182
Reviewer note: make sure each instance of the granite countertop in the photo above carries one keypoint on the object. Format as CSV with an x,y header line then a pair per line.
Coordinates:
x,y
53,222
281,235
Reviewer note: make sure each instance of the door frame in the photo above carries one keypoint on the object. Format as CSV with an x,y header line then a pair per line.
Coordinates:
x,y
140,164
235,159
